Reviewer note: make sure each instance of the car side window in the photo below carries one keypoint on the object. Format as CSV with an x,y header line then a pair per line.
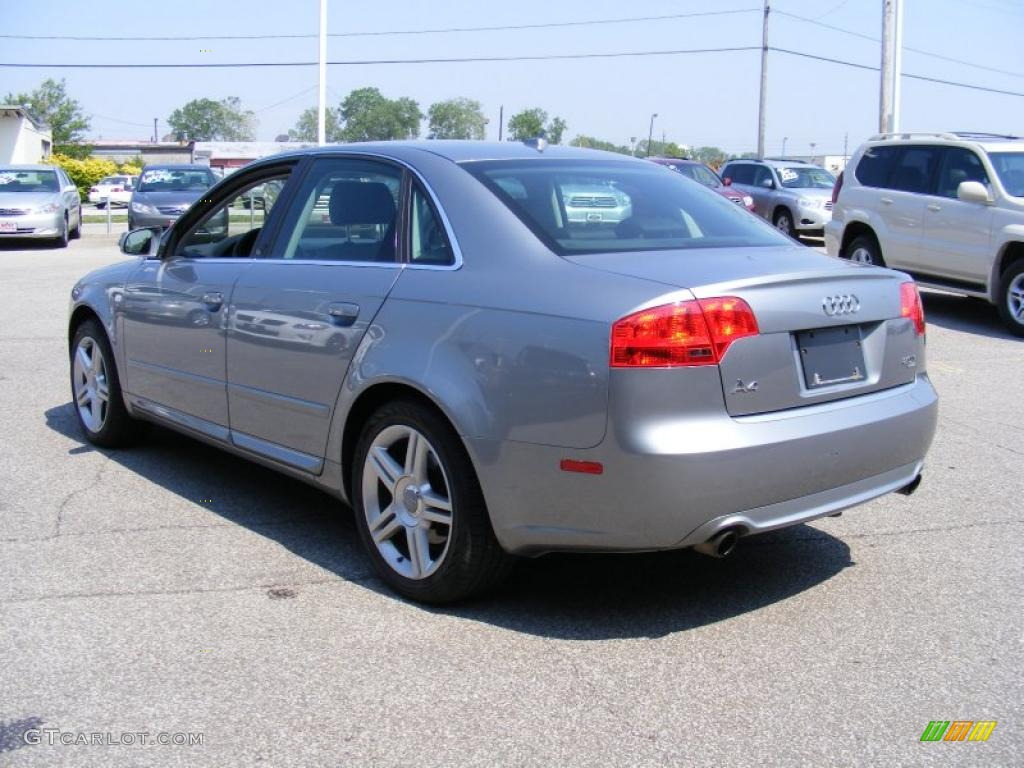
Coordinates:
x,y
230,228
761,173
428,242
915,169
741,174
876,165
959,165
345,210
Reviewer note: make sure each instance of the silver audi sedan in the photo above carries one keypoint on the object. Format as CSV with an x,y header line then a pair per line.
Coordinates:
x,y
422,330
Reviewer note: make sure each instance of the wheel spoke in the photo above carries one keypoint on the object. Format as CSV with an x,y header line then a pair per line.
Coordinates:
x,y
419,549
83,396
385,467
386,525
436,508
97,360
102,391
83,359
96,407
416,458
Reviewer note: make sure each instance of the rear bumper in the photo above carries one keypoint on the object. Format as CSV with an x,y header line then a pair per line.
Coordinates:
x,y
667,482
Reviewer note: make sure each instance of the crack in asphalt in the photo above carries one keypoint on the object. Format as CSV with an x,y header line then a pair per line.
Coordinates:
x,y
986,440
72,494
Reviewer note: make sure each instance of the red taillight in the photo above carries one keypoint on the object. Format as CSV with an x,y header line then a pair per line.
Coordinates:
x,y
685,333
836,187
116,189
93,189
911,306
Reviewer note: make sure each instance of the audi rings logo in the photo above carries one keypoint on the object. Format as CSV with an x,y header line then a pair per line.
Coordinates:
x,y
846,304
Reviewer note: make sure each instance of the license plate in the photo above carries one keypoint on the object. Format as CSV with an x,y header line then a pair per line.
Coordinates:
x,y
8,226
831,356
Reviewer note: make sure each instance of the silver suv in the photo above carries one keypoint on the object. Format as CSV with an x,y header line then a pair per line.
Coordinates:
x,y
796,197
948,208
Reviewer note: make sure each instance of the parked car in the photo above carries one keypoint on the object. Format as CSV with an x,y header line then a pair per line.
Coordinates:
x,y
500,379
947,208
39,201
796,197
117,190
704,175
164,192
600,203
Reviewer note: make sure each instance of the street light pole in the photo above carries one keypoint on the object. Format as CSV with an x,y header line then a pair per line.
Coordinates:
x,y
650,134
885,84
321,117
784,140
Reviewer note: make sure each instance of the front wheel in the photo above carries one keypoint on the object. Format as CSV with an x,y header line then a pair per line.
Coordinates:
x,y
419,508
96,390
1011,298
783,221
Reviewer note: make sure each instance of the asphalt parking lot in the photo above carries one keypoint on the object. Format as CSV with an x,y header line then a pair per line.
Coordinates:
x,y
172,588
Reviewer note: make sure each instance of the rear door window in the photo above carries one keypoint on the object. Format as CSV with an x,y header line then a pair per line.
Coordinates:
x,y
876,166
741,174
915,169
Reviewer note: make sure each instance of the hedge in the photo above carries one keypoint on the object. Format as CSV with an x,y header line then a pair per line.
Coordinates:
x,y
85,173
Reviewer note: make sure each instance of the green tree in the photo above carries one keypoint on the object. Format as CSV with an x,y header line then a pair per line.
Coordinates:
x,y
456,119
369,116
531,123
50,104
209,120
306,128
660,149
589,142
712,156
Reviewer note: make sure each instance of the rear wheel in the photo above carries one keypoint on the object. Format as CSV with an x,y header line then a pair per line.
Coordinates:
x,y
783,221
96,390
419,508
1011,298
864,250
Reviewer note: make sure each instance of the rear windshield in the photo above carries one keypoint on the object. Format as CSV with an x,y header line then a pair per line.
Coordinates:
x,y
806,178
114,180
699,173
175,180
1010,167
13,180
583,206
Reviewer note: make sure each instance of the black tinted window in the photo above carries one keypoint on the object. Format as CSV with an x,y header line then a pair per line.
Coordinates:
x,y
876,166
740,174
762,174
914,170
958,166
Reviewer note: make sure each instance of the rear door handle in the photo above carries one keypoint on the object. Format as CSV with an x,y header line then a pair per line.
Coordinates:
x,y
934,207
214,299
887,200
343,312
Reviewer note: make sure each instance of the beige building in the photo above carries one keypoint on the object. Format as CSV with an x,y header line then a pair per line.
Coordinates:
x,y
22,139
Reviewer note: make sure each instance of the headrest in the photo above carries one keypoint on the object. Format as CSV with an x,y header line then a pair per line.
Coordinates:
x,y
361,202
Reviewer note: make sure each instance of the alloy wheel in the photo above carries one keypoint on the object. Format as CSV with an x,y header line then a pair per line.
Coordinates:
x,y
783,224
407,501
1015,298
91,387
862,255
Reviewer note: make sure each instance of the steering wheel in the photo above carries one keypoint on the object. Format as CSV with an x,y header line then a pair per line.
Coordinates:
x,y
243,245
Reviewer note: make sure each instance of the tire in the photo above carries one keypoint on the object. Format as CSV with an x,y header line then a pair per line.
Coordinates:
x,y
101,206
109,424
783,221
1011,298
61,240
864,250
456,559
77,231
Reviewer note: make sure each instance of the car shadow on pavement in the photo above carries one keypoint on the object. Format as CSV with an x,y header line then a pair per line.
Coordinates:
x,y
959,313
566,596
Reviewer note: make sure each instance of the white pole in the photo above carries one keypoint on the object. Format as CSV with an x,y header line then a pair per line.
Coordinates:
x,y
897,65
762,103
885,83
321,118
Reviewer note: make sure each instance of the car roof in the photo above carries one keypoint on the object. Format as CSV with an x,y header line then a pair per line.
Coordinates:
x,y
987,142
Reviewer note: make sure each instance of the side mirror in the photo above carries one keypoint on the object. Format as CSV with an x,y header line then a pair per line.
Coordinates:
x,y
138,242
727,181
768,184
973,192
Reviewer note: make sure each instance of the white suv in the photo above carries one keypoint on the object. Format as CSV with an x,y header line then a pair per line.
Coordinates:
x,y
947,208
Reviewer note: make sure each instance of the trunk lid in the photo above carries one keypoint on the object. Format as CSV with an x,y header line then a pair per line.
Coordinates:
x,y
828,329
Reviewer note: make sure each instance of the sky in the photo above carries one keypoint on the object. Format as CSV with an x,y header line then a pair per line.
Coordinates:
x,y
700,99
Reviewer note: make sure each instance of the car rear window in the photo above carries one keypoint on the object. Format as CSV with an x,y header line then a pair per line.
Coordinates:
x,y
583,206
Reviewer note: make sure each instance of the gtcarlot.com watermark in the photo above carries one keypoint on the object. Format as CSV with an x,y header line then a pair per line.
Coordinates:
x,y
54,736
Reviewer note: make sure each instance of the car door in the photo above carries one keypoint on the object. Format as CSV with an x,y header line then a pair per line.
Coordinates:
x,y
299,313
70,199
957,234
176,305
901,205
762,189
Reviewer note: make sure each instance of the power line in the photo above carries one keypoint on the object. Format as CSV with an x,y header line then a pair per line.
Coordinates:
x,y
361,62
118,120
285,100
444,30
920,51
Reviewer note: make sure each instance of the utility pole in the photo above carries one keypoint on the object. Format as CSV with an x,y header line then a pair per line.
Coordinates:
x,y
156,135
321,117
846,147
813,145
885,85
762,102
897,65
650,134
501,121
784,140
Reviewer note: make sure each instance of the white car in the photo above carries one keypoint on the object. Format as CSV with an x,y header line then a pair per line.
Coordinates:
x,y
115,189
948,208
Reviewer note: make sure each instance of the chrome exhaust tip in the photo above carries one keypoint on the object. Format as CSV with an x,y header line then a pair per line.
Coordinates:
x,y
910,487
719,545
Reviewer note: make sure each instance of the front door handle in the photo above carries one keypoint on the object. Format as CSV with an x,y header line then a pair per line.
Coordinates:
x,y
934,207
343,312
213,299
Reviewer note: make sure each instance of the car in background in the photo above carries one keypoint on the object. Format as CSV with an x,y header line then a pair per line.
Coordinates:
x,y
117,190
39,201
794,196
702,174
481,375
947,208
595,204
164,192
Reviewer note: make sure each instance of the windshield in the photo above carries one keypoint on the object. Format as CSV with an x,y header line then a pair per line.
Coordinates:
x,y
653,210
700,173
14,180
1010,168
175,180
806,178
